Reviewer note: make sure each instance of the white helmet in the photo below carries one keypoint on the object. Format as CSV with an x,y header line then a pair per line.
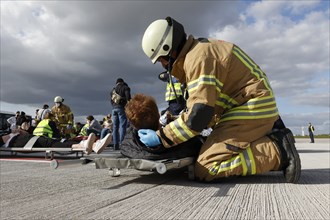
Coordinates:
x,y
159,38
58,99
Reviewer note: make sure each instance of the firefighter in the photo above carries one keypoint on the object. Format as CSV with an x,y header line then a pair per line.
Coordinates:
x,y
229,93
63,117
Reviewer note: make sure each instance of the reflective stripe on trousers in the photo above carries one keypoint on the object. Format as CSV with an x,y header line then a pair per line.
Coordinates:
x,y
244,159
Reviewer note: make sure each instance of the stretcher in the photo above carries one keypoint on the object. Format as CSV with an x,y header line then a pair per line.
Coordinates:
x,y
49,152
159,166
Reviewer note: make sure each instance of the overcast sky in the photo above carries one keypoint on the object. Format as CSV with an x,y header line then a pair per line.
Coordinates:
x,y
77,50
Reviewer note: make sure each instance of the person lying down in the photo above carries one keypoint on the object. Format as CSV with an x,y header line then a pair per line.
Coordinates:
x,y
19,140
142,113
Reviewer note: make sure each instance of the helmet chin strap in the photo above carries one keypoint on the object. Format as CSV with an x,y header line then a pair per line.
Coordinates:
x,y
169,69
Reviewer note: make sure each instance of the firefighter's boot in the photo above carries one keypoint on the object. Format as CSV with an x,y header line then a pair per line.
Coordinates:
x,y
290,161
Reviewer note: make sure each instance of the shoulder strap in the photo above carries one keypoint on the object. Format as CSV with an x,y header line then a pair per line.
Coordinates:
x,y
41,115
31,142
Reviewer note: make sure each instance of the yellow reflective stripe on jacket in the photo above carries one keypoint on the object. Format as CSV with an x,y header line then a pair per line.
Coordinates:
x,y
204,80
226,102
253,109
258,102
170,95
181,130
244,159
249,114
43,129
254,68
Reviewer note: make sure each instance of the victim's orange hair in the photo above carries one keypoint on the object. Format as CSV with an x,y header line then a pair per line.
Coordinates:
x,y
142,112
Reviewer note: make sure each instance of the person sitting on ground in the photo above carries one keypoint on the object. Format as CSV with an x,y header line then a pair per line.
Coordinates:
x,y
107,117
107,128
143,113
94,126
20,139
47,127
77,128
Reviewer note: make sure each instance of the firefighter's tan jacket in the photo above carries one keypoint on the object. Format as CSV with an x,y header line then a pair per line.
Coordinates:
x,y
223,83
63,115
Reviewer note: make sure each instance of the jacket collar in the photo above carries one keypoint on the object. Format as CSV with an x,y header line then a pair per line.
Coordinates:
x,y
177,69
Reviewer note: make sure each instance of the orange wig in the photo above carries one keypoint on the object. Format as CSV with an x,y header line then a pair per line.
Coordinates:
x,y
142,112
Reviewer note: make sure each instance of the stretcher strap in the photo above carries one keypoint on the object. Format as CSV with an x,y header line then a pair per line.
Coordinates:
x,y
31,142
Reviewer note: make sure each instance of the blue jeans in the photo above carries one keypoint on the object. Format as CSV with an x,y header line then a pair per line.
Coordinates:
x,y
311,135
97,133
104,132
119,121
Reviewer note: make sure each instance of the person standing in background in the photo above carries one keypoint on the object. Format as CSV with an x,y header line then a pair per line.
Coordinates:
x,y
174,94
311,132
94,126
120,95
42,112
12,120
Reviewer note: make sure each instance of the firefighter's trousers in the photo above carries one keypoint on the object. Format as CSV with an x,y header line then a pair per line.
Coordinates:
x,y
238,148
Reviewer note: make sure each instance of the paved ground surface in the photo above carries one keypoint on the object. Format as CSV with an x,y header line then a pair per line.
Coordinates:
x,y
33,190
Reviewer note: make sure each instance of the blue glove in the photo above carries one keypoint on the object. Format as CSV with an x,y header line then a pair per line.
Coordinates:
x,y
149,137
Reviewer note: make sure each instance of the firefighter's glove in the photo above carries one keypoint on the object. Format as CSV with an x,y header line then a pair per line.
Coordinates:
x,y
149,137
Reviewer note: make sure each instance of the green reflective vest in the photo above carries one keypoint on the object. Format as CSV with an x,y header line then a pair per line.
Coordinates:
x,y
83,131
43,129
170,95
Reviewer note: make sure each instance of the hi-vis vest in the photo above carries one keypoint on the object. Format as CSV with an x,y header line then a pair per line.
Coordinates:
x,y
43,129
170,95
83,131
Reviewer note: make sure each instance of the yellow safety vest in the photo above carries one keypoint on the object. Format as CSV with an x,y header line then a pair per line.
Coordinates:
x,y
83,131
170,95
43,129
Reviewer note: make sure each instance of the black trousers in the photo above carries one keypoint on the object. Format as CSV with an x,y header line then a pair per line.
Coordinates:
x,y
42,142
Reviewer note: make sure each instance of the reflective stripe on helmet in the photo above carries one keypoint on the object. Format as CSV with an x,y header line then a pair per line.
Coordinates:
x,y
155,53
158,34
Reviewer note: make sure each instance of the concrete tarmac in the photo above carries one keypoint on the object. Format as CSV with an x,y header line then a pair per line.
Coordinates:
x,y
33,190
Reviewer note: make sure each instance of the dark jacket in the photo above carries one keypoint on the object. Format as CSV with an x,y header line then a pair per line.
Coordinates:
x,y
21,119
134,148
124,91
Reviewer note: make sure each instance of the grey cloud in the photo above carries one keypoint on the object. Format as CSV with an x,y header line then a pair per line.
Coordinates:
x,y
81,47
299,122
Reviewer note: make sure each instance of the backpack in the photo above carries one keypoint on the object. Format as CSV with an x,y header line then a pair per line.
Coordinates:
x,y
115,97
